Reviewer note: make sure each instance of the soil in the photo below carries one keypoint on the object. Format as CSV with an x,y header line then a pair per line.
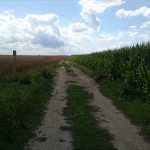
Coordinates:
x,y
51,137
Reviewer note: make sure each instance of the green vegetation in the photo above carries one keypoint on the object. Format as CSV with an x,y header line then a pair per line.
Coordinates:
x,y
22,105
129,65
71,72
136,109
124,76
83,126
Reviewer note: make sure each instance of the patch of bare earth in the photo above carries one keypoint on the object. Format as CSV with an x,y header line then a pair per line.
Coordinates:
x,y
49,135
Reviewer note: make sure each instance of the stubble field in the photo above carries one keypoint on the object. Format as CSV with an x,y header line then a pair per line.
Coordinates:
x,y
25,62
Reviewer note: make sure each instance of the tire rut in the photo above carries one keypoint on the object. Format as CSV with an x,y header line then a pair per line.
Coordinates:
x,y
126,135
49,136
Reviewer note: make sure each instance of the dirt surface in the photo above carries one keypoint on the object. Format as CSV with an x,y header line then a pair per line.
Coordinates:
x,y
125,134
49,135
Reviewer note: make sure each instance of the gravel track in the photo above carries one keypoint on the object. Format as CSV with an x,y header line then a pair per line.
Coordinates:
x,y
49,135
126,135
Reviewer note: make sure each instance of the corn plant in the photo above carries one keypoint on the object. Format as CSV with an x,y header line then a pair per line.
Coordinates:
x,y
128,65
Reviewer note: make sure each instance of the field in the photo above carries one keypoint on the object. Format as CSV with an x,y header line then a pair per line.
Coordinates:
x,y
25,62
124,76
22,102
130,66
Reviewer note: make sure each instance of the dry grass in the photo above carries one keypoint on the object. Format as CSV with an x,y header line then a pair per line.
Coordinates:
x,y
25,62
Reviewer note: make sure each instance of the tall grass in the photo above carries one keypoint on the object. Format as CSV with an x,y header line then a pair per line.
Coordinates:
x,y
22,104
130,66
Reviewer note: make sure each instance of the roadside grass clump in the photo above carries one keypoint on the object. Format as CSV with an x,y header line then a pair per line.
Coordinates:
x,y
22,105
68,82
84,128
71,72
68,67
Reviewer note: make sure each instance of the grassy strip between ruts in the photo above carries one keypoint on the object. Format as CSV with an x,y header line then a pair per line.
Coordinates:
x,y
137,110
84,128
22,105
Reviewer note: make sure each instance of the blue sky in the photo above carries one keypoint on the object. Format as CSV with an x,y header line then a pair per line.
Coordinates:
x,y
52,27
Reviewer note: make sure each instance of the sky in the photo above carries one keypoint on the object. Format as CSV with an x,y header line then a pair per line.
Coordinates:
x,y
66,27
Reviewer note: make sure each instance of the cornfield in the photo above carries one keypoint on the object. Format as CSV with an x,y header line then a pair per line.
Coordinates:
x,y
130,66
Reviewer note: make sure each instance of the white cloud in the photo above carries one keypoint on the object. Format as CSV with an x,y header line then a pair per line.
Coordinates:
x,y
110,41
145,11
133,27
90,9
79,28
133,34
8,11
32,29
44,20
35,32
110,37
44,34
137,36
145,24
11,29
48,40
75,37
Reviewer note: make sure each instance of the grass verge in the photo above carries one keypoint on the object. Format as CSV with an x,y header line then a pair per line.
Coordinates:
x,y
137,110
22,105
84,69
84,128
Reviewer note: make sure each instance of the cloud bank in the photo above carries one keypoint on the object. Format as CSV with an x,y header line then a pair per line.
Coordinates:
x,y
145,25
44,34
145,11
91,9
41,32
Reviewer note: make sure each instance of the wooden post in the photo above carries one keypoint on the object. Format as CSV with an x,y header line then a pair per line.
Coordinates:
x,y
14,55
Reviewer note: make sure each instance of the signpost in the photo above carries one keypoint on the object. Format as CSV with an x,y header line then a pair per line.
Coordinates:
x,y
14,55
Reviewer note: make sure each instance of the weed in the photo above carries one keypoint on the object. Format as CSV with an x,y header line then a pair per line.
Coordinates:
x,y
41,139
71,72
71,82
22,105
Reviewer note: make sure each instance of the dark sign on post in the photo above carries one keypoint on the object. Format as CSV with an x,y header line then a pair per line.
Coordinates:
x,y
14,52
14,55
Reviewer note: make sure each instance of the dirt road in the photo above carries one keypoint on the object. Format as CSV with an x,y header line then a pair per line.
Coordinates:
x,y
49,135
125,134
